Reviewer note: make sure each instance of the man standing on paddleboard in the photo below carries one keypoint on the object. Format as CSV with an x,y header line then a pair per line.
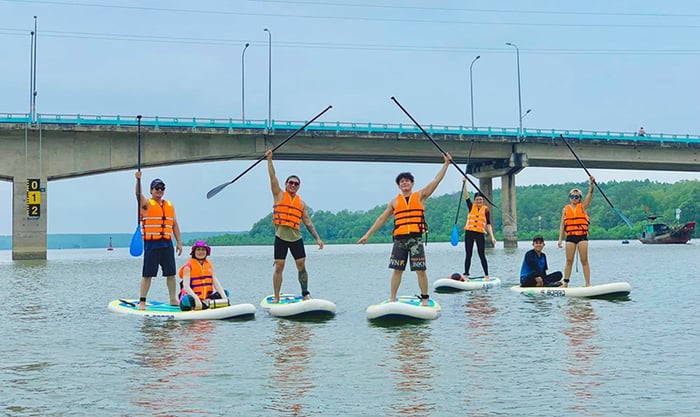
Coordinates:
x,y
158,226
288,212
409,225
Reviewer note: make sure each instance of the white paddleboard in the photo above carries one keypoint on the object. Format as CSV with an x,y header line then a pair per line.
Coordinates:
x,y
405,306
165,310
611,290
476,283
291,305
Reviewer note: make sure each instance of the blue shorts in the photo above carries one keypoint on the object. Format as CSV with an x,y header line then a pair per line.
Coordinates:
x,y
159,257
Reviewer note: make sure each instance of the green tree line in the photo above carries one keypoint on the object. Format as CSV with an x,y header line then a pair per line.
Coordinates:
x,y
538,211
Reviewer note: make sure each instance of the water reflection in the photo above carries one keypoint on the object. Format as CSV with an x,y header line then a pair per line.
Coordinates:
x,y
292,377
413,377
172,357
583,351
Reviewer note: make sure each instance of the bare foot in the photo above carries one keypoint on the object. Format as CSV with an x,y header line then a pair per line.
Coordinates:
x,y
486,278
425,303
465,277
306,297
142,305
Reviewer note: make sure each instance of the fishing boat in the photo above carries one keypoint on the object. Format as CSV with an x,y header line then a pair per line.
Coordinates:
x,y
657,232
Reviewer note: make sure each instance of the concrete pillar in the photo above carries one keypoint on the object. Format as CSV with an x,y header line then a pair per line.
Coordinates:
x,y
29,233
510,223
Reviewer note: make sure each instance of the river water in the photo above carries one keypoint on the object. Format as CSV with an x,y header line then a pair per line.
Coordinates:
x,y
492,353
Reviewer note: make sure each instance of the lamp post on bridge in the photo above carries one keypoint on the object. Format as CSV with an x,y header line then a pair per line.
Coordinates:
x,y
471,89
243,82
520,102
269,80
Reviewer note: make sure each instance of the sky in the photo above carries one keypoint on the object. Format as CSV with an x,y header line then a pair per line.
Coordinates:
x,y
598,65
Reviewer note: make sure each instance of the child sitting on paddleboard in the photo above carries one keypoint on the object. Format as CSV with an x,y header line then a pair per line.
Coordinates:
x,y
533,272
198,283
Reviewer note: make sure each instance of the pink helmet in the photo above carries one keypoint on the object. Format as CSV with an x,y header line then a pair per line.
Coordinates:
x,y
200,244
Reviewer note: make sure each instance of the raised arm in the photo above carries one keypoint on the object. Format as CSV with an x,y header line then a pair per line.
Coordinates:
x,y
426,191
587,201
274,183
143,201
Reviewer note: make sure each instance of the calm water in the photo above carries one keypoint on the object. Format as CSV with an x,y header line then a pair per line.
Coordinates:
x,y
492,353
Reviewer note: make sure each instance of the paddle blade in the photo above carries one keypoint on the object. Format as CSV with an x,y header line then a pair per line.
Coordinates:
x,y
455,236
623,217
136,247
214,191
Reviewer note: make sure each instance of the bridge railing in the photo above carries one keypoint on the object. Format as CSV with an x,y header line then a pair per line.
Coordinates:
x,y
459,132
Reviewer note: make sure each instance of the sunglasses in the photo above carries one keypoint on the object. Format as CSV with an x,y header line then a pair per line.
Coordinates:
x,y
574,196
294,183
159,187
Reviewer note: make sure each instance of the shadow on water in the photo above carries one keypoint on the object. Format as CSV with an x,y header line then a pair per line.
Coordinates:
x,y
583,350
292,376
413,370
172,358
390,322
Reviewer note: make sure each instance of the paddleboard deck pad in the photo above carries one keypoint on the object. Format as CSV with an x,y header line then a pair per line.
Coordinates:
x,y
291,305
610,290
165,310
476,283
405,306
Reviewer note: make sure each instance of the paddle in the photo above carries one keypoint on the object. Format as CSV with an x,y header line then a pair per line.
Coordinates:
x,y
619,213
440,149
127,302
214,191
455,234
136,246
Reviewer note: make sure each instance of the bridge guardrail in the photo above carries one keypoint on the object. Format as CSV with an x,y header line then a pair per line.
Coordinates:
x,y
338,127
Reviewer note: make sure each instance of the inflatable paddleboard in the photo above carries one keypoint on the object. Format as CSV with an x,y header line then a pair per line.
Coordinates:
x,y
476,283
165,310
291,305
611,290
405,306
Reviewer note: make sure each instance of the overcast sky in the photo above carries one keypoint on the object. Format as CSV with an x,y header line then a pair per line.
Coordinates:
x,y
597,65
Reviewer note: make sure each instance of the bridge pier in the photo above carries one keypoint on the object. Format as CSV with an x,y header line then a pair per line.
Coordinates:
x,y
28,233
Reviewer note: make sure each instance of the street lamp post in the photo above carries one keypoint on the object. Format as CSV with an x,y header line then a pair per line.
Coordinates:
x,y
520,102
269,80
471,89
243,82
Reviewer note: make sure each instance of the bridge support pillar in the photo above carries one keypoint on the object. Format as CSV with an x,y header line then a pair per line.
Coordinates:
x,y
509,210
29,228
486,186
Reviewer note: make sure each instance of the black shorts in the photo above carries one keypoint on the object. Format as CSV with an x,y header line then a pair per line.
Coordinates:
x,y
404,249
159,257
576,238
296,248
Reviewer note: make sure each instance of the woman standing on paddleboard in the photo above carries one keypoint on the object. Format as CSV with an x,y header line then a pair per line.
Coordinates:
x,y
574,223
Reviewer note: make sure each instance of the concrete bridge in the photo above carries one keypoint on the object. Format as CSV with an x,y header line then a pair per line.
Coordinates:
x,y
66,146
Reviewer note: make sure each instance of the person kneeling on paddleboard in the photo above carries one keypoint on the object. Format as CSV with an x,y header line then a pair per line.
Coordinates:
x,y
198,284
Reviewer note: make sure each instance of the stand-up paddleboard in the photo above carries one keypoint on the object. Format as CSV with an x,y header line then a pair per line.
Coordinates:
x,y
476,283
165,310
405,306
291,305
611,290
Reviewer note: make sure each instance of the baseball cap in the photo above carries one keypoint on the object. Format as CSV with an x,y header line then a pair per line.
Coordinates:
x,y
538,237
156,182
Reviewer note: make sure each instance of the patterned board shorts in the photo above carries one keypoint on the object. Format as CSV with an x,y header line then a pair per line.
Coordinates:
x,y
408,249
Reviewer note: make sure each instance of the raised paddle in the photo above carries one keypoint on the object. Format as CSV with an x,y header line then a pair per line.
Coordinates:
x,y
619,213
136,246
214,191
440,149
455,234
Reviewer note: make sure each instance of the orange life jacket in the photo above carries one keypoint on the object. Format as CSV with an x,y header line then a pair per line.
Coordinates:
x,y
409,218
201,278
575,220
476,220
288,211
158,221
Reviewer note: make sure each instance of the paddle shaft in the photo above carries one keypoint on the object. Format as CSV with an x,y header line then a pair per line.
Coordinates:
x,y
216,190
440,148
585,169
138,168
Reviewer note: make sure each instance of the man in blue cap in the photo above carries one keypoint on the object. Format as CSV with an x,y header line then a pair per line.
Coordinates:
x,y
158,226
